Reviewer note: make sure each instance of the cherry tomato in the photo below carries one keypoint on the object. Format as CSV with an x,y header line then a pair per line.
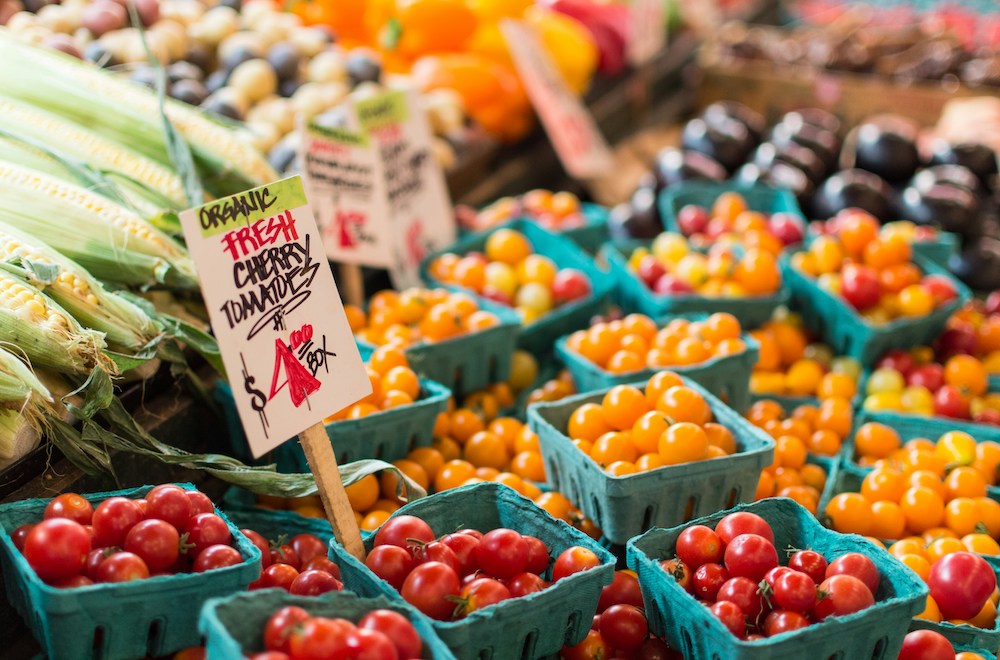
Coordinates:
x,y
809,562
19,535
156,541
795,591
623,590
593,647
751,556
399,529
780,621
464,546
523,584
391,563
730,615
170,503
216,556
72,506
265,655
960,584
200,502
397,628
679,571
502,553
743,522
279,627
428,587
261,543
363,643
207,529
573,560
842,594
858,565
122,567
655,648
707,581
277,575
307,546
926,645
322,564
624,627
538,555
57,548
435,551
314,583
94,559
113,518
73,582
699,545
479,594
746,595
321,638
771,577
284,554
475,533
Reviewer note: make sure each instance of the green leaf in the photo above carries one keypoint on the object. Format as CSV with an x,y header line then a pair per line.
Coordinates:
x,y
390,34
127,362
44,273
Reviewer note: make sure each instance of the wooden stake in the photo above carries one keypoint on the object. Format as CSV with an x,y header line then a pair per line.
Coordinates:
x,y
353,285
323,463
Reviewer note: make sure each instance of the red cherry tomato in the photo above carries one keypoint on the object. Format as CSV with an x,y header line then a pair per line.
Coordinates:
x,y
321,638
397,628
707,581
771,577
156,542
574,560
200,502
780,621
624,627
731,616
398,530
593,647
751,556
623,590
113,518
479,594
57,548
809,562
216,556
464,546
73,582
926,645
391,563
279,627
322,564
314,583
284,554
679,571
960,584
858,565
795,591
170,503
428,588
277,575
262,545
502,553
538,555
743,522
72,506
363,643
523,584
122,567
745,594
435,551
207,529
307,546
19,535
840,595
699,545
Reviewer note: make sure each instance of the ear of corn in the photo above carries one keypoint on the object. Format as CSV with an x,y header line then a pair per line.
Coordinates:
x,y
21,391
125,326
129,114
104,155
18,436
45,333
111,242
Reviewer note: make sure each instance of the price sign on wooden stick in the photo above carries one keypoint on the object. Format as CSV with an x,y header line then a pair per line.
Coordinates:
x,y
284,337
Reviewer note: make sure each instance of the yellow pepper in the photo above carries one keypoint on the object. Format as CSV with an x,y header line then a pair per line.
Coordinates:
x,y
569,43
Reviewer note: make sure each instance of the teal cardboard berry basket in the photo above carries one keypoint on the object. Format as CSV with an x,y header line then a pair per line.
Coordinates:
x,y
939,250
119,621
234,627
876,632
848,334
634,296
590,236
628,505
704,193
532,626
727,377
538,337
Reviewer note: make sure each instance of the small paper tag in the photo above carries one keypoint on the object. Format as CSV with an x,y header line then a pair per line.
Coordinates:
x,y
571,128
275,310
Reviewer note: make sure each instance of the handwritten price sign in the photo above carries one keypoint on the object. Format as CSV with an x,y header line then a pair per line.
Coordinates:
x,y
276,311
574,135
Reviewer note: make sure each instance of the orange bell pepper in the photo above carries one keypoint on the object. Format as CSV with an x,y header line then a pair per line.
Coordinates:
x,y
421,27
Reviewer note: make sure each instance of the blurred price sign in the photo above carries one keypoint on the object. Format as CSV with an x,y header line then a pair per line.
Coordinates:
x,y
571,128
648,30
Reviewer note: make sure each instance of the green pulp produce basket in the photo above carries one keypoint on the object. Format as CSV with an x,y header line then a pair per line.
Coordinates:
x,y
538,337
532,626
876,632
387,435
593,234
628,505
233,627
152,617
704,193
634,296
727,377
848,334
469,362
939,250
